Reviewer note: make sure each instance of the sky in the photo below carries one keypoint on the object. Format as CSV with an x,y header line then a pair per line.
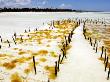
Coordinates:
x,y
96,5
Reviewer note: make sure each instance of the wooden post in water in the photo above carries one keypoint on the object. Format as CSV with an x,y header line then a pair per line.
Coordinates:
x,y
29,29
105,56
69,38
102,51
66,43
62,57
21,39
15,35
88,38
71,34
59,62
28,35
8,43
96,49
84,35
84,30
95,40
91,41
96,46
108,73
25,31
14,40
53,23
56,68
34,64
0,46
64,50
0,38
48,80
36,29
106,64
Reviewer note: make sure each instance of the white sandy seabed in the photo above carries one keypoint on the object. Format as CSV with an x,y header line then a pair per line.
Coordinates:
x,y
82,64
11,22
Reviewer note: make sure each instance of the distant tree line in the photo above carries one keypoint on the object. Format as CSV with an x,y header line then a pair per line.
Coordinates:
x,y
34,10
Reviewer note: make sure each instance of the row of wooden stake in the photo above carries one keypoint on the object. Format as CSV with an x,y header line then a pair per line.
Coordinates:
x,y
14,37
103,51
61,58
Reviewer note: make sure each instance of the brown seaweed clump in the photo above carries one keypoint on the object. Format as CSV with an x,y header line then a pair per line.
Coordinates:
x,y
9,65
42,52
16,78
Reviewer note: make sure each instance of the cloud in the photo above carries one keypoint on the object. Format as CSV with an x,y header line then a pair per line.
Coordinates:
x,y
14,3
44,2
63,5
23,3
41,3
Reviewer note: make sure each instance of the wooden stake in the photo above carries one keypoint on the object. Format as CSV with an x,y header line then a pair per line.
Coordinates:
x,y
66,43
56,68
71,33
8,43
108,73
1,40
96,49
36,29
84,35
62,57
88,38
21,39
102,51
69,40
106,64
29,30
105,56
95,41
34,64
15,35
0,46
59,62
25,31
94,46
48,80
90,41
14,40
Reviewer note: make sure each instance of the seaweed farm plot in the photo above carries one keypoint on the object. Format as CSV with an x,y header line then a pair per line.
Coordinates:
x,y
35,56
98,35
